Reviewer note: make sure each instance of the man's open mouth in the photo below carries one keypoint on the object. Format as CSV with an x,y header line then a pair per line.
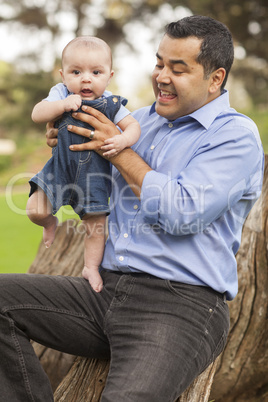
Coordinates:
x,y
165,95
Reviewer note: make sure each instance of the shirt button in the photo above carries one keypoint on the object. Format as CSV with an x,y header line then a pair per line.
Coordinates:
x,y
121,258
170,125
125,235
152,147
136,206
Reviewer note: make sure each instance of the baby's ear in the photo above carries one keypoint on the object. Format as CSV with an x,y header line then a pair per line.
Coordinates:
x,y
111,76
62,75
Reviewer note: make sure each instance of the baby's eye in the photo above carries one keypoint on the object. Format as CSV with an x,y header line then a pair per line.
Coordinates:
x,y
76,72
96,72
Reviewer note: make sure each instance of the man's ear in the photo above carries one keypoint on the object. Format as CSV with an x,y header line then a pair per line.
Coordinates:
x,y
217,78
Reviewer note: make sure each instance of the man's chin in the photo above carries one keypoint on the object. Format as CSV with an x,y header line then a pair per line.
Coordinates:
x,y
167,112
162,110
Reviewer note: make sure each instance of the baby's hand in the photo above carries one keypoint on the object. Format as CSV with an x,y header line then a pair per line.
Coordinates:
x,y
112,146
72,103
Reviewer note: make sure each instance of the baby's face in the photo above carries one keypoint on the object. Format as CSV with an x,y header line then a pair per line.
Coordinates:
x,y
86,71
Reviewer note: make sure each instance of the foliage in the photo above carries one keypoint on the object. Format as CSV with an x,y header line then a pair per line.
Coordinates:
x,y
260,117
113,20
247,19
18,94
109,19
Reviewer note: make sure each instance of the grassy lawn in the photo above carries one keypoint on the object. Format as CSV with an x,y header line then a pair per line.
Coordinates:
x,y
19,238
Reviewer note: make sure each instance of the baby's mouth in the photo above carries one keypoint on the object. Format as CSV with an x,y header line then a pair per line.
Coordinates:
x,y
86,92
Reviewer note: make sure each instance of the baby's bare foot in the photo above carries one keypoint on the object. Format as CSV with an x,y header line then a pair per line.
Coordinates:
x,y
94,278
49,232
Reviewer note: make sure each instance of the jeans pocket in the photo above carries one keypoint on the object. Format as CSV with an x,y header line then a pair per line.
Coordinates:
x,y
198,295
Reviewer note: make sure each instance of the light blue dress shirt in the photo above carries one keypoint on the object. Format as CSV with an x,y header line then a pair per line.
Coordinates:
x,y
207,174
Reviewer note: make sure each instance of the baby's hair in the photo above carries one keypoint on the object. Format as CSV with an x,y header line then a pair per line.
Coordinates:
x,y
91,42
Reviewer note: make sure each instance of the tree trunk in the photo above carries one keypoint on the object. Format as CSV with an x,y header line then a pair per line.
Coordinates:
x,y
242,373
86,381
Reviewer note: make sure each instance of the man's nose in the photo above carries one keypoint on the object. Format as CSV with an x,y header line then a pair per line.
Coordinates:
x,y
163,76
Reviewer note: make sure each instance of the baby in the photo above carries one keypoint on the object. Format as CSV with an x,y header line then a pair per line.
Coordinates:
x,y
80,179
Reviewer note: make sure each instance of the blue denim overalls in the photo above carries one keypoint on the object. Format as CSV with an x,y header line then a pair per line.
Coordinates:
x,y
80,179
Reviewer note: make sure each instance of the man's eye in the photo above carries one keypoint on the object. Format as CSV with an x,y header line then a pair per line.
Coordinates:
x,y
158,66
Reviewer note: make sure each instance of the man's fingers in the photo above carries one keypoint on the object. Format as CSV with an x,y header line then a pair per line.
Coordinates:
x,y
93,117
51,134
49,125
86,146
52,142
80,131
95,113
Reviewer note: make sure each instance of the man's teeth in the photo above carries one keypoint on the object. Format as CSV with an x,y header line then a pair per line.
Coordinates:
x,y
165,93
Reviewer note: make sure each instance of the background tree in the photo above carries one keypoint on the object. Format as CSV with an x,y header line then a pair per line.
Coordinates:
x,y
49,22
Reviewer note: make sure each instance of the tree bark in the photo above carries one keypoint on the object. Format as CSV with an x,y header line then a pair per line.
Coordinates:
x,y
242,370
242,374
86,381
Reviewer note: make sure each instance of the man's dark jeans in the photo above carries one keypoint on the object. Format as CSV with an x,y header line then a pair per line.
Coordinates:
x,y
159,334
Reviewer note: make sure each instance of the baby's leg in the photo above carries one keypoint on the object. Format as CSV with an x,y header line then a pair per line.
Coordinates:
x,y
94,248
39,211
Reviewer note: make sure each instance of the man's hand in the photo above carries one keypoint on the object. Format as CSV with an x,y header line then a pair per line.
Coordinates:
x,y
130,165
103,129
51,134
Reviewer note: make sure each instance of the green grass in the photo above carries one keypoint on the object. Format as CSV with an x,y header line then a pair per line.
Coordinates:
x,y
20,238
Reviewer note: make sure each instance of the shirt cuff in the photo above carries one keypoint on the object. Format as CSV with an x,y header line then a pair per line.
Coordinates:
x,y
151,191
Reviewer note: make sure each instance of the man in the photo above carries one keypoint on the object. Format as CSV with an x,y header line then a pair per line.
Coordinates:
x,y
179,200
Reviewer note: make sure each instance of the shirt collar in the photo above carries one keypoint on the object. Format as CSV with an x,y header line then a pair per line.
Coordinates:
x,y
208,113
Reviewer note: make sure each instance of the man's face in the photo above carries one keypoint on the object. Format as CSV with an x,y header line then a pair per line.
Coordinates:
x,y
178,80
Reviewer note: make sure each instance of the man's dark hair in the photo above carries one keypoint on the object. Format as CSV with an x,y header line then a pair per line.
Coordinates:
x,y
217,49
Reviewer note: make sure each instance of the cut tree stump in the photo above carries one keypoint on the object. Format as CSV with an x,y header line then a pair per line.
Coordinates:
x,y
241,370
